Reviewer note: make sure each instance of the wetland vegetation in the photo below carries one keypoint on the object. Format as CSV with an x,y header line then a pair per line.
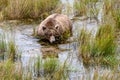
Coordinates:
x,y
92,53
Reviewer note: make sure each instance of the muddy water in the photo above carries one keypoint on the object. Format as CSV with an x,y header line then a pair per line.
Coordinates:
x,y
30,47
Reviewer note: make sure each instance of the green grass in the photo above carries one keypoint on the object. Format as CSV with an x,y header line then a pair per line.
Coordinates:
x,y
52,69
100,49
48,69
8,48
80,8
9,71
116,17
50,66
3,43
107,7
86,8
3,4
106,75
84,49
34,32
12,50
105,40
14,71
28,9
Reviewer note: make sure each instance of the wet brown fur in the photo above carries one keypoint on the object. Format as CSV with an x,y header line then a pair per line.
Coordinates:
x,y
55,25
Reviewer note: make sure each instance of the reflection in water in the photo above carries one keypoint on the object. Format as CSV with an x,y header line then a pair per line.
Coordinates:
x,y
50,52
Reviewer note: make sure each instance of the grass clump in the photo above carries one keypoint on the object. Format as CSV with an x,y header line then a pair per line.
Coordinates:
x,y
3,4
116,17
51,69
48,69
65,36
100,49
107,7
12,50
84,39
106,75
3,46
105,40
8,48
28,9
50,66
3,43
86,8
80,8
9,71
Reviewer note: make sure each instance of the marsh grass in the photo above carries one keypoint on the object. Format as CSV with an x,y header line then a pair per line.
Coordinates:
x,y
9,71
3,44
86,8
51,69
106,75
12,50
84,39
99,49
35,34
50,66
116,17
64,36
8,48
111,9
3,4
107,7
80,8
28,9
106,40
55,71
37,67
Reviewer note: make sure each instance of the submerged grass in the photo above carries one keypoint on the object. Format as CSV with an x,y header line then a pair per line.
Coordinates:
x,y
12,50
100,49
27,9
3,44
8,48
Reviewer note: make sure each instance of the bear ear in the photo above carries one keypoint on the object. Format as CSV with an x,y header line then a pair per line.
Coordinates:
x,y
51,22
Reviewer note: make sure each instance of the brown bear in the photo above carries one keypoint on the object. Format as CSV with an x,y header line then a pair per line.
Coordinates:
x,y
55,26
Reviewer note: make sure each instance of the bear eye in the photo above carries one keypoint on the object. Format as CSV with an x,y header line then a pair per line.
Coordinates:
x,y
43,28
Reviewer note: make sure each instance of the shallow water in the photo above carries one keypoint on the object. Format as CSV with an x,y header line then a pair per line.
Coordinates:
x,y
30,47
